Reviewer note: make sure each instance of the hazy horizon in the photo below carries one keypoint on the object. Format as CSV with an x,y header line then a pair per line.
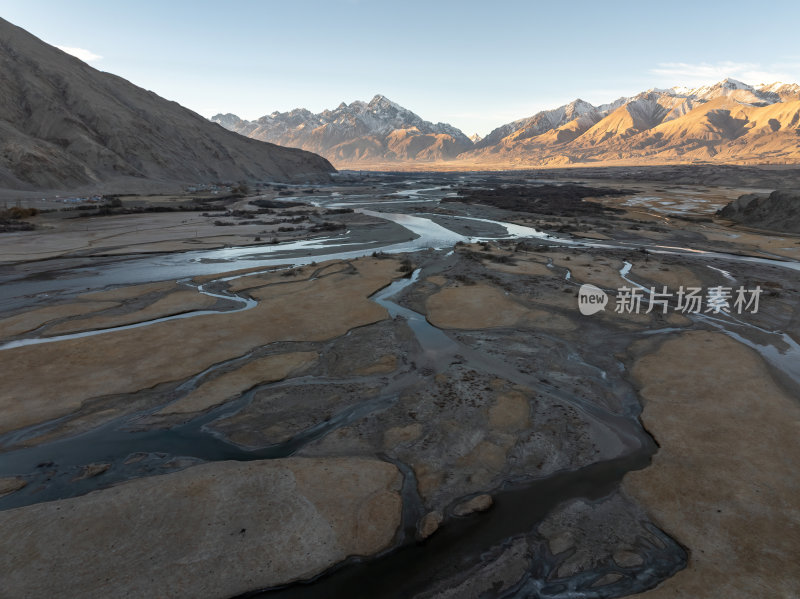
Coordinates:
x,y
466,64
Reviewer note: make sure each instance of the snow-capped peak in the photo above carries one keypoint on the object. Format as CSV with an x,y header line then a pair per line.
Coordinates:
x,y
779,86
730,83
378,117
379,100
379,128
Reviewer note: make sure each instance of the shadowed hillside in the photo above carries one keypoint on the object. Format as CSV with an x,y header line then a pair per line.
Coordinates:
x,y
64,124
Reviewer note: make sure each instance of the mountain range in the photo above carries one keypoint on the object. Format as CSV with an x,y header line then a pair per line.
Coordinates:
x,y
64,124
729,121
374,131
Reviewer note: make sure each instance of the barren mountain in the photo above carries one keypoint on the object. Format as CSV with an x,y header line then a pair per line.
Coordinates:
x,y
726,122
541,122
778,211
378,131
64,124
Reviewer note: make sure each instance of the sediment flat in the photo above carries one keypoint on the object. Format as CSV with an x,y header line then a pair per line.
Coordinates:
x,y
253,524
724,480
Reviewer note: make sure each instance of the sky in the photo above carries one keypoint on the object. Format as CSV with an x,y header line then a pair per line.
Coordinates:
x,y
475,65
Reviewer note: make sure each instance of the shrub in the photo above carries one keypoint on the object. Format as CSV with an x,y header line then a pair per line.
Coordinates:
x,y
406,265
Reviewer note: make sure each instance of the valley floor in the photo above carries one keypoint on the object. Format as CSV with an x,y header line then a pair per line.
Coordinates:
x,y
400,397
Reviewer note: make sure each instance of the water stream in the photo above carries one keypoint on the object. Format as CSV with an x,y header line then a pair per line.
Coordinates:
x,y
782,352
425,234
517,508
407,569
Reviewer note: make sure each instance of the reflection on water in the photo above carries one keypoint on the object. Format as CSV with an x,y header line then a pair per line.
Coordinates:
x,y
782,352
430,234
434,342
424,232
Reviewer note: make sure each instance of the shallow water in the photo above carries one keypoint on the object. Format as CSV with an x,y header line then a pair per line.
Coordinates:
x,y
458,543
516,509
434,342
782,353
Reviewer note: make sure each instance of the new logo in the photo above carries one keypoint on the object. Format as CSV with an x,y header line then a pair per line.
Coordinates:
x,y
591,299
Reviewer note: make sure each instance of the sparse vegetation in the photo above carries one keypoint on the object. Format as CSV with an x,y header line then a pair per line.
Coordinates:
x,y
561,200
11,219
263,203
17,213
327,226
406,265
463,279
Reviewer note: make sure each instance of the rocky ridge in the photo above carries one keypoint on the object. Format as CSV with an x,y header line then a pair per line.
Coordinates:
x,y
728,122
378,130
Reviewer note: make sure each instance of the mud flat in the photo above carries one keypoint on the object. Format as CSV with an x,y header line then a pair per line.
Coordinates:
x,y
724,479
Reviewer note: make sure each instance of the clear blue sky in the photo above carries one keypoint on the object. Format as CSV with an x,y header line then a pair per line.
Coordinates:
x,y
476,65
